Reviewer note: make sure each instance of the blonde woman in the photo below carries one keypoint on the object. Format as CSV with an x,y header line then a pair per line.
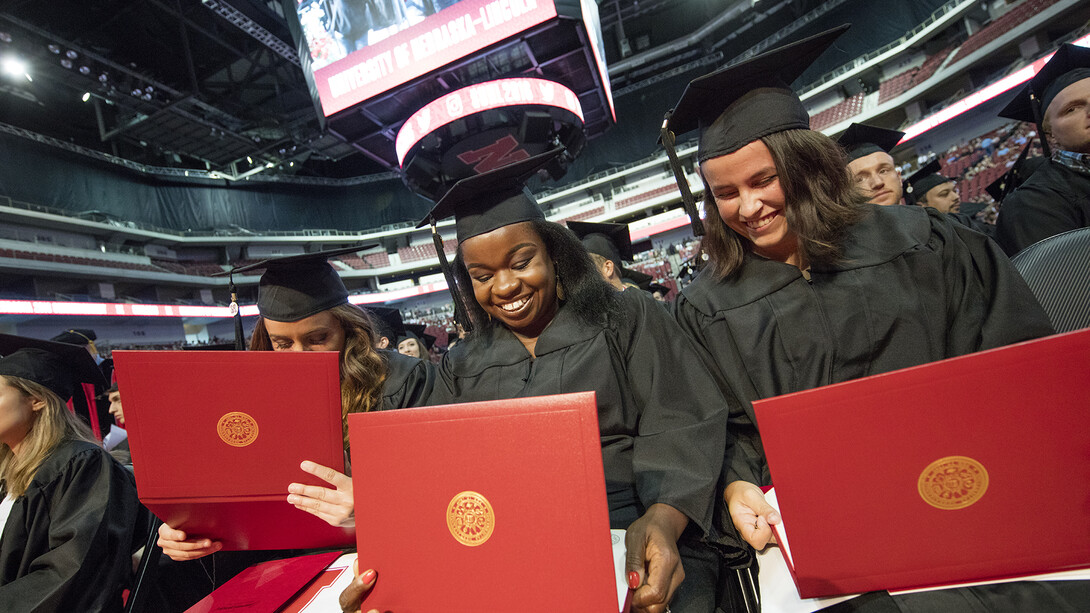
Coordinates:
x,y
69,509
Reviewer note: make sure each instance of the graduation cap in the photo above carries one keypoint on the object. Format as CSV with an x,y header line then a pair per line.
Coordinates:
x,y
861,140
923,180
76,336
738,104
388,321
483,203
609,240
416,331
1069,65
298,286
60,367
493,199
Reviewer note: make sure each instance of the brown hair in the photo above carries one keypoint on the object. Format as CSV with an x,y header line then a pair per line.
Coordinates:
x,y
363,368
822,202
53,424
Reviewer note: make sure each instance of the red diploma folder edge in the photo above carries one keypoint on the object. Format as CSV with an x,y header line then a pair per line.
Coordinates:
x,y
816,586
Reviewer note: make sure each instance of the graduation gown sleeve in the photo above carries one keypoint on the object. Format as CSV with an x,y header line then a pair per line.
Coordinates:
x,y
682,428
1053,200
409,381
67,545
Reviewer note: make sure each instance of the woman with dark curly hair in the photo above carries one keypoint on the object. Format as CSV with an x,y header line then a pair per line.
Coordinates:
x,y
304,307
807,284
543,321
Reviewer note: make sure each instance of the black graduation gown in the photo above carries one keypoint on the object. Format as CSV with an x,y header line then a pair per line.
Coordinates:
x,y
67,545
913,288
409,381
1053,200
969,221
662,423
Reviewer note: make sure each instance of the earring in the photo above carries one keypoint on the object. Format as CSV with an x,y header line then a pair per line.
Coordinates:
x,y
559,284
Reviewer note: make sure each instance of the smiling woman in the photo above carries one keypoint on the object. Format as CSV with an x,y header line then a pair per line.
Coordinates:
x,y
810,285
543,321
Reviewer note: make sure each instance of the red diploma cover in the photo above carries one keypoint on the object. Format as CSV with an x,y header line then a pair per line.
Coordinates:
x,y
491,507
971,468
217,436
266,586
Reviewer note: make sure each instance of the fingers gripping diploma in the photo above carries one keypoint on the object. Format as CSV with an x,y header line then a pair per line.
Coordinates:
x,y
653,564
753,517
351,599
335,505
178,547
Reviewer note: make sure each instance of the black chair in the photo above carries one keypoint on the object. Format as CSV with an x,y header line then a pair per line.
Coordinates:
x,y
1057,270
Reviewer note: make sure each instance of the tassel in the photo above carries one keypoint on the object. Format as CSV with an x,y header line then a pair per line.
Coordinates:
x,y
687,200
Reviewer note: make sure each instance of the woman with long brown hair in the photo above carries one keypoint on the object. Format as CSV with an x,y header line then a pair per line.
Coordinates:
x,y
807,284
304,307
69,510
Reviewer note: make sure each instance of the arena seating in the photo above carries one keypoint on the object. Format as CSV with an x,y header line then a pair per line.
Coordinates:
x,y
203,269
1000,26
77,260
643,196
596,211
426,251
846,109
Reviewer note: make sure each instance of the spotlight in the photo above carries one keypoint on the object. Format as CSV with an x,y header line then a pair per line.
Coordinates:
x,y
86,96
187,173
13,66
102,78
146,97
291,164
67,63
85,70
4,36
269,165
137,92
149,89
249,160
71,54
54,49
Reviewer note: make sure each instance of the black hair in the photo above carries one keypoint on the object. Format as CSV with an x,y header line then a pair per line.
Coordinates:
x,y
585,291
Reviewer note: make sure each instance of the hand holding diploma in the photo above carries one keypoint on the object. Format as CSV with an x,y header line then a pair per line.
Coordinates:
x,y
178,547
335,506
653,564
351,599
753,517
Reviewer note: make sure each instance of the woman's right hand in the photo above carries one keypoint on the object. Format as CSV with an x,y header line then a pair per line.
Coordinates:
x,y
351,599
179,548
753,517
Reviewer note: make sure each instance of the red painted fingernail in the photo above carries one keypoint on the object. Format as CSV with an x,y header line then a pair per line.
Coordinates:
x,y
633,579
368,575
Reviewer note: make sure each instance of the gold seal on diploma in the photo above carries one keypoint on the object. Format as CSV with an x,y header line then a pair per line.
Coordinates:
x,y
953,482
237,429
470,518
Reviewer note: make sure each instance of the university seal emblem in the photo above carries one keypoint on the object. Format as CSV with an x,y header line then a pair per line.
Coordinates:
x,y
470,518
953,482
237,429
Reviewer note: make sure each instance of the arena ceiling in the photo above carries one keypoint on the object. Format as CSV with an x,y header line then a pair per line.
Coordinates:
x,y
214,85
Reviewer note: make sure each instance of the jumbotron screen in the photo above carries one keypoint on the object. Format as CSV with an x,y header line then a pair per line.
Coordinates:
x,y
362,48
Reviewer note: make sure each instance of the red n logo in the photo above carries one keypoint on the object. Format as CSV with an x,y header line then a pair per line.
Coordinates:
x,y
500,153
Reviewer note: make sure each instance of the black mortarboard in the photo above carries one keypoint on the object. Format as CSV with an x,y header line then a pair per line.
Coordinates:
x,y
58,366
924,179
416,331
299,286
1070,64
860,140
739,104
76,336
387,321
491,200
609,240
